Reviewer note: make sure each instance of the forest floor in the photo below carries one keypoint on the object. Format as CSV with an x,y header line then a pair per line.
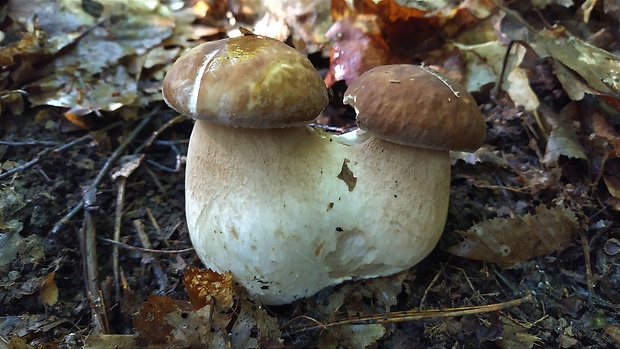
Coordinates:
x,y
95,251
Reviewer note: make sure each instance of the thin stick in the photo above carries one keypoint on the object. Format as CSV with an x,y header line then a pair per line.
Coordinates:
x,y
585,245
161,277
89,263
24,143
59,149
120,195
142,249
416,315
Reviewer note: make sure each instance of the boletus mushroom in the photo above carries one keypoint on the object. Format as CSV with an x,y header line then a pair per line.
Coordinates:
x,y
289,209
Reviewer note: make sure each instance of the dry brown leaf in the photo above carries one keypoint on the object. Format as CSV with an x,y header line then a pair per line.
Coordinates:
x,y
204,286
580,67
48,292
507,241
562,139
163,320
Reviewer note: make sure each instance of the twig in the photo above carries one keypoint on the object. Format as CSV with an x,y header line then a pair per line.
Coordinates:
x,y
177,156
589,277
59,149
433,282
162,279
24,143
89,263
414,315
125,170
120,195
156,133
104,170
156,225
142,249
156,180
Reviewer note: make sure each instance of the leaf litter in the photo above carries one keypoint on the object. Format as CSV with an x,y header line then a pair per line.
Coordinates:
x,y
541,194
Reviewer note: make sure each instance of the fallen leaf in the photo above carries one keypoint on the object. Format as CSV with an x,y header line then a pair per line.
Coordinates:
x,y
163,320
507,241
48,292
206,286
516,336
562,139
580,67
254,326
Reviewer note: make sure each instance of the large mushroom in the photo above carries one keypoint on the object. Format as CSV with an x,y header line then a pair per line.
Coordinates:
x,y
290,209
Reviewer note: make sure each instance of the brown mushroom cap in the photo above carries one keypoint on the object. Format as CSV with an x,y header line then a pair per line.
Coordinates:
x,y
250,81
416,106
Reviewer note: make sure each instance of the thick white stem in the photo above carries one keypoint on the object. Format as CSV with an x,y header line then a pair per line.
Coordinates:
x,y
290,211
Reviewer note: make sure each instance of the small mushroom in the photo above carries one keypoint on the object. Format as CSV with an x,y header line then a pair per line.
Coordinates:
x,y
289,209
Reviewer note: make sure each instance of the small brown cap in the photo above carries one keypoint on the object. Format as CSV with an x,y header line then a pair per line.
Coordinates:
x,y
416,106
249,81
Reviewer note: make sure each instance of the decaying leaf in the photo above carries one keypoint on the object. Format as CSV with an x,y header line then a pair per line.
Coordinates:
x,y
128,164
87,56
306,21
507,241
580,67
205,286
562,139
369,33
254,326
484,64
352,336
23,325
516,336
163,320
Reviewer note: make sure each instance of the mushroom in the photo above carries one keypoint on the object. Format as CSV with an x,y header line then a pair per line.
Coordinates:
x,y
289,209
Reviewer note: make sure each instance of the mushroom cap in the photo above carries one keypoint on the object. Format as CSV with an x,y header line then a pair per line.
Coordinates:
x,y
249,81
416,106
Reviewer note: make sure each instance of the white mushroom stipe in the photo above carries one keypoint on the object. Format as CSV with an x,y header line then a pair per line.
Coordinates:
x,y
290,212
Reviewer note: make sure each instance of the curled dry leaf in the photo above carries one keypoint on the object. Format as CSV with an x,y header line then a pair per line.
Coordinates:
x,y
507,241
